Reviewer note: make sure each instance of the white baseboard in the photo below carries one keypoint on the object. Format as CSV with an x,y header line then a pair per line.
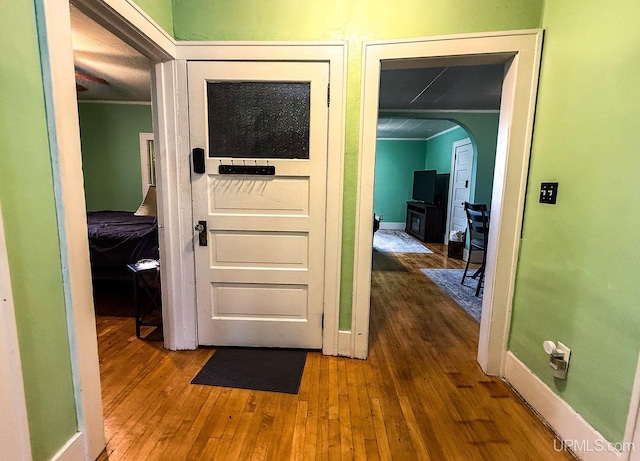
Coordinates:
x,y
344,343
576,434
73,450
392,225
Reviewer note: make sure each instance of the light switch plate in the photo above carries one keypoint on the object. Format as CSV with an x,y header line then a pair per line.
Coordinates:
x,y
548,192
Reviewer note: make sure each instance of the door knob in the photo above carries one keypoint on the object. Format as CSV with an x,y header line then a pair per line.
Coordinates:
x,y
201,229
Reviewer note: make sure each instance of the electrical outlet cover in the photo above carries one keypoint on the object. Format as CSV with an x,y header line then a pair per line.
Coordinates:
x,y
566,350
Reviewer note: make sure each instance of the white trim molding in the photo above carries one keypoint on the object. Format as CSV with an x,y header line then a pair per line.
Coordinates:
x,y
448,130
72,450
175,231
129,22
14,438
114,101
575,433
64,144
344,343
392,225
632,431
520,52
145,179
174,170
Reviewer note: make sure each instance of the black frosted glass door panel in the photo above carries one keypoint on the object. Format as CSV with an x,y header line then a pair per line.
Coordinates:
x,y
259,119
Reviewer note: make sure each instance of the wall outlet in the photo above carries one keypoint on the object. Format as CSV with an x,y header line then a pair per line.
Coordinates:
x,y
566,350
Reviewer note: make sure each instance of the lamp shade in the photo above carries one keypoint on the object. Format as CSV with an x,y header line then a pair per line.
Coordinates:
x,y
149,206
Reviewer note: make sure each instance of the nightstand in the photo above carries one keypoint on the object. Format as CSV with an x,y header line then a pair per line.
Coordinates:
x,y
146,293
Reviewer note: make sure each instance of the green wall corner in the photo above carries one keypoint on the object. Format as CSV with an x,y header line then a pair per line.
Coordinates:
x,y
439,149
161,11
577,279
395,163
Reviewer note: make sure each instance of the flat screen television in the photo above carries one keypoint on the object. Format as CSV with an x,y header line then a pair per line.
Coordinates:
x,y
424,186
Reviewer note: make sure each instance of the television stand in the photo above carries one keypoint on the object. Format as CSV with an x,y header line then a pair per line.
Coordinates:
x,y
425,222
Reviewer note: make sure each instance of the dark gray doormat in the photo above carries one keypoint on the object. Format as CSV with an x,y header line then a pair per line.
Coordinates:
x,y
274,370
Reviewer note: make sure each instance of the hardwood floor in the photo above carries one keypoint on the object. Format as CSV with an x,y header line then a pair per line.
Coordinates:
x,y
419,396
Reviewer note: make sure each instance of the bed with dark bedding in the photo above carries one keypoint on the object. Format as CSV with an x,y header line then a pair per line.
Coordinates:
x,y
118,238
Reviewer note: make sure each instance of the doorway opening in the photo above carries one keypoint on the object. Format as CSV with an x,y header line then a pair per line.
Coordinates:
x,y
62,114
519,54
113,84
428,164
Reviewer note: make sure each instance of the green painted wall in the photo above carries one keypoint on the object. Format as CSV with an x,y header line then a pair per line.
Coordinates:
x,y
111,154
484,135
354,21
439,150
160,11
483,131
577,276
395,163
26,191
439,158
578,273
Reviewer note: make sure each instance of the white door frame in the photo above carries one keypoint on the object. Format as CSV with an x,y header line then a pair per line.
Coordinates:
x,y
174,168
454,146
14,438
632,428
128,21
521,51
144,139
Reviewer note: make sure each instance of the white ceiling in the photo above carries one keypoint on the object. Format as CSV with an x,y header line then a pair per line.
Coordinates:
x,y
406,88
99,54
412,128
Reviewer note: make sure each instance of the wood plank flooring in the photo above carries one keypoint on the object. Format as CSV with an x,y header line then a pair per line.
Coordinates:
x,y
419,396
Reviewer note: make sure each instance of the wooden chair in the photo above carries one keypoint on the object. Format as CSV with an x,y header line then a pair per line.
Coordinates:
x,y
478,230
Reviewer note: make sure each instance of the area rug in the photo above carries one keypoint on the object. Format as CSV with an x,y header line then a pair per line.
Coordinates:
x,y
274,370
463,295
397,241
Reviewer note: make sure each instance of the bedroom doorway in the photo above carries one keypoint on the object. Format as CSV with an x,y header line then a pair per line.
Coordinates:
x,y
62,114
113,84
519,52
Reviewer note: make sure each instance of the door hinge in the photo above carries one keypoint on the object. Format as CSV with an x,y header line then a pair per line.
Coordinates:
x,y
322,321
328,95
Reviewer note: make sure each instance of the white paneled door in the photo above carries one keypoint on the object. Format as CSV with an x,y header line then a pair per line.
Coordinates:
x,y
461,181
260,253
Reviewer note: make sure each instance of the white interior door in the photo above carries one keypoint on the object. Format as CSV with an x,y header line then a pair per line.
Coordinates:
x,y
461,170
260,277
